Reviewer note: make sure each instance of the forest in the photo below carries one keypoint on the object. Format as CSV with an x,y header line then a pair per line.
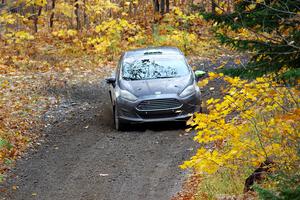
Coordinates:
x,y
248,136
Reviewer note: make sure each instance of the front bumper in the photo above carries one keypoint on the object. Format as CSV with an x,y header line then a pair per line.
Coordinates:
x,y
129,113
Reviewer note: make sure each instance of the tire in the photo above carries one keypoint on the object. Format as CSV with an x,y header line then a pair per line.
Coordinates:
x,y
119,126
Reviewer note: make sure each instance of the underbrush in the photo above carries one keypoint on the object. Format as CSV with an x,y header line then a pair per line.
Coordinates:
x,y
222,183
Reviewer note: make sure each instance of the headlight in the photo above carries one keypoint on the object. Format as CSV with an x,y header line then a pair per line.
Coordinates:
x,y
189,90
125,95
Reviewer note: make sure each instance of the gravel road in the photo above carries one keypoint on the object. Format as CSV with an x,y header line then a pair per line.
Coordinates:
x,y
83,157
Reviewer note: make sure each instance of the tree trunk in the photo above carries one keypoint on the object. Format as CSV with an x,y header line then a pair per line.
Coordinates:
x,y
258,175
167,6
130,9
36,18
228,6
156,5
135,9
110,10
52,14
77,15
162,7
85,17
213,6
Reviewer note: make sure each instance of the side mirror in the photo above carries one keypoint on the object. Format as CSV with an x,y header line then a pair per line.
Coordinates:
x,y
111,80
199,73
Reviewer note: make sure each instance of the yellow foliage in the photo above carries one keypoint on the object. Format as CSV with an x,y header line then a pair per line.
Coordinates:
x,y
18,37
96,8
251,7
64,8
254,121
203,83
65,34
40,2
181,39
219,11
114,35
7,19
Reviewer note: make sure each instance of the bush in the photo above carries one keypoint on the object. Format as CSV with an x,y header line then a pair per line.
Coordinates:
x,y
254,122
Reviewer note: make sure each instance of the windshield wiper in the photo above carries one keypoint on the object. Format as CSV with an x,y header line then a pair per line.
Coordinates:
x,y
129,78
165,77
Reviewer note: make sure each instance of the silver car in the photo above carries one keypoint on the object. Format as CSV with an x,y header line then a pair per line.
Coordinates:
x,y
153,85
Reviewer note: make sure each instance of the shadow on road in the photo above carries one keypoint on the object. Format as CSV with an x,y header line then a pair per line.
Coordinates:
x,y
157,126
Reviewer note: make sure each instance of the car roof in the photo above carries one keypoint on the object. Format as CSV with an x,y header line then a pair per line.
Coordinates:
x,y
153,51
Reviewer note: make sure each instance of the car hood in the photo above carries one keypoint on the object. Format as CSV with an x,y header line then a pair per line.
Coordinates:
x,y
157,86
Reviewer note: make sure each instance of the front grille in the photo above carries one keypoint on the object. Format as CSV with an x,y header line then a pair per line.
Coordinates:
x,y
158,115
159,104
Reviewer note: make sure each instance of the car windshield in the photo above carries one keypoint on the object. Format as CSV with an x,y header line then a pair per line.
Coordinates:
x,y
154,67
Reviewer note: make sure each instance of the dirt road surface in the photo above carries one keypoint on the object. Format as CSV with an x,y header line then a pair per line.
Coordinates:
x,y
83,157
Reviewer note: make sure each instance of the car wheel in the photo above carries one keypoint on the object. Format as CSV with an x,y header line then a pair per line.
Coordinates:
x,y
119,126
